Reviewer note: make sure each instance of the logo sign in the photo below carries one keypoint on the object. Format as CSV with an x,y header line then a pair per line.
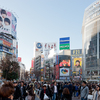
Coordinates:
x,y
64,43
64,71
39,45
76,52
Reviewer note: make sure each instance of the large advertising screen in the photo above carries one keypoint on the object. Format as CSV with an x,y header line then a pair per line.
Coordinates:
x,y
64,63
8,22
64,71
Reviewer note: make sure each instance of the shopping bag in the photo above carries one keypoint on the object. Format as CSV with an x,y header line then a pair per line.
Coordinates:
x,y
46,97
90,97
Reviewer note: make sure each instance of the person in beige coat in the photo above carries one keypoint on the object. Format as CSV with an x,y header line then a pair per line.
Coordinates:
x,y
96,94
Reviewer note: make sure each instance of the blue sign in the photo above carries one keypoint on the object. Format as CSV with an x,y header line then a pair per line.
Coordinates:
x,y
39,45
65,40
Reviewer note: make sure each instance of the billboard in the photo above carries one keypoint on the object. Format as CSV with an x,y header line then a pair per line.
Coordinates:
x,y
49,46
42,60
8,22
64,71
19,59
64,43
5,49
77,65
38,47
76,52
65,63
78,62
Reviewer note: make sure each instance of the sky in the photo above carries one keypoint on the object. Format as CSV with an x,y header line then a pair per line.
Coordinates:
x,y
46,21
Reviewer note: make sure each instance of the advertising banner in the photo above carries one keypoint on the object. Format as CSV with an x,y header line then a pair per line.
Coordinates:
x,y
49,46
64,71
42,60
77,64
19,59
38,47
76,52
65,63
64,43
8,22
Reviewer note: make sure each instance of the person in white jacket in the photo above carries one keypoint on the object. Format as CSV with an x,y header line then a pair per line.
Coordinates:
x,y
96,94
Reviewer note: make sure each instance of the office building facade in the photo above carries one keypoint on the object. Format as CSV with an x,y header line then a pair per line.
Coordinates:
x,y
91,41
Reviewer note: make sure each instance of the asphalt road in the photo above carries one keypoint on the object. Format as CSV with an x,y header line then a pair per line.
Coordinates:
x,y
75,98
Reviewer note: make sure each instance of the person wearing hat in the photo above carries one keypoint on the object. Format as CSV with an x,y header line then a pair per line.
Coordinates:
x,y
84,91
17,91
44,92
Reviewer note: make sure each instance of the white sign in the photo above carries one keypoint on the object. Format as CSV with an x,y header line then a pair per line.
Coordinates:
x,y
49,46
38,47
64,71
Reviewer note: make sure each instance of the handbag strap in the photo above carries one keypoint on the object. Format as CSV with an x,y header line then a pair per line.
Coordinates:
x,y
83,88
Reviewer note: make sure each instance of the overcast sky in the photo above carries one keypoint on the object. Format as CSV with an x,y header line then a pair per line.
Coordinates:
x,y
46,21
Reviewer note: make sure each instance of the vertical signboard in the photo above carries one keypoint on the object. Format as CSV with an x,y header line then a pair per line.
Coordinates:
x,y
48,47
76,61
64,43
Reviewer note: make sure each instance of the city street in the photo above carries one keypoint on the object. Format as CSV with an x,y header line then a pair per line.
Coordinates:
x,y
74,98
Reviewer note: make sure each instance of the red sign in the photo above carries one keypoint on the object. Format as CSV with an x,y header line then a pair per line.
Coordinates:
x,y
19,59
32,64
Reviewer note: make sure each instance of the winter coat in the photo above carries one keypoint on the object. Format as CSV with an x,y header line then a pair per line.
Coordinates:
x,y
94,95
42,94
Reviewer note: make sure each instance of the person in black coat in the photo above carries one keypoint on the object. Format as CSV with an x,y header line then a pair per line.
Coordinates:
x,y
49,91
17,91
22,91
43,92
70,90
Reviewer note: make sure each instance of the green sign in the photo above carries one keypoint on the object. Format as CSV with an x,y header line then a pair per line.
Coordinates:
x,y
64,46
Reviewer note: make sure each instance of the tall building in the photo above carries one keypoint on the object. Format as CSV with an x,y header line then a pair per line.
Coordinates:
x,y
91,41
8,35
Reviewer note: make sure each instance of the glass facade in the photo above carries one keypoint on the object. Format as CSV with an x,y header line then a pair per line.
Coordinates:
x,y
91,40
90,45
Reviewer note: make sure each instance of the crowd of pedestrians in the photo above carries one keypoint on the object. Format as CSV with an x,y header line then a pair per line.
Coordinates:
x,y
69,90
49,91
17,91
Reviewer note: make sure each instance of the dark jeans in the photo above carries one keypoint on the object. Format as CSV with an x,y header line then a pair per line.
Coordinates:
x,y
83,99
